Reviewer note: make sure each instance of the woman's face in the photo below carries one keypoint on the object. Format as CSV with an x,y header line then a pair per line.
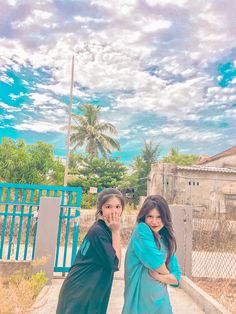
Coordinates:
x,y
154,221
112,206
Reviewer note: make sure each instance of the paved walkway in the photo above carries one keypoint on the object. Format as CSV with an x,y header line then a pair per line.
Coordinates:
x,y
180,301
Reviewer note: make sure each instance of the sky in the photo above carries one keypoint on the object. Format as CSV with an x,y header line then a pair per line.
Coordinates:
x,y
161,70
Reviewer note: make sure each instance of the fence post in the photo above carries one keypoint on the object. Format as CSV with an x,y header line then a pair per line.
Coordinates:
x,y
48,219
182,222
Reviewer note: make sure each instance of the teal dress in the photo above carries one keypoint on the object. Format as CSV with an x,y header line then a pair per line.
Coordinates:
x,y
143,294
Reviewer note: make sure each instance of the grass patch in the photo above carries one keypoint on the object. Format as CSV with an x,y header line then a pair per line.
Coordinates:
x,y
19,291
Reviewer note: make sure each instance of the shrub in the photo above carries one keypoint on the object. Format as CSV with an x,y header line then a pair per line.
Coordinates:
x,y
88,200
37,282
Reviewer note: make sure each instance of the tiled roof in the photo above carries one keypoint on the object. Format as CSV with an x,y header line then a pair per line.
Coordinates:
x,y
228,152
208,169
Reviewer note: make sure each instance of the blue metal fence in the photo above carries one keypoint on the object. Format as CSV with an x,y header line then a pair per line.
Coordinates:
x,y
19,204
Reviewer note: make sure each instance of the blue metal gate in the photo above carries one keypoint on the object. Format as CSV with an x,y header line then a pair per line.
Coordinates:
x,y
19,204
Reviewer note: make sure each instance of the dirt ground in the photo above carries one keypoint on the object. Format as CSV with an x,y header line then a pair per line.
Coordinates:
x,y
224,291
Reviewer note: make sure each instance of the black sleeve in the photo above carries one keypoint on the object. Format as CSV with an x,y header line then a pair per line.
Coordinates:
x,y
102,245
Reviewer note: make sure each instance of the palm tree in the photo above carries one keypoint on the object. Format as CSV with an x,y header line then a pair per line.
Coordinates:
x,y
142,165
150,152
92,132
174,152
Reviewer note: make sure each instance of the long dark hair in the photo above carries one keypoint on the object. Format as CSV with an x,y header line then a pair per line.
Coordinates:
x,y
104,196
167,232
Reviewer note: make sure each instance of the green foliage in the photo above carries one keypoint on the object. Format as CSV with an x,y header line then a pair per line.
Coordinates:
x,y
89,130
19,291
100,173
29,164
176,158
89,200
141,167
75,162
57,173
37,282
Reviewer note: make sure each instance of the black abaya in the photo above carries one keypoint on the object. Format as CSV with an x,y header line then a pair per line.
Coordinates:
x,y
87,288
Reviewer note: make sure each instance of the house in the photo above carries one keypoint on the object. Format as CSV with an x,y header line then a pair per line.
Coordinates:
x,y
226,159
210,185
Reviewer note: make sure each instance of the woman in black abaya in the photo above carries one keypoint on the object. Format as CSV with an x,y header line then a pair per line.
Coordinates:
x,y
87,288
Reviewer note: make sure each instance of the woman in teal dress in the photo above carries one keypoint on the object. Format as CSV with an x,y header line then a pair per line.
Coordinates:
x,y
150,262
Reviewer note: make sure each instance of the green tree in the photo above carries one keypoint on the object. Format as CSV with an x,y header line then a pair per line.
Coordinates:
x,y
99,172
29,164
174,157
56,175
74,162
14,161
92,132
141,167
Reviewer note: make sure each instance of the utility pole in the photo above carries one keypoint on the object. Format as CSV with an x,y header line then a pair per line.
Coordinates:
x,y
69,124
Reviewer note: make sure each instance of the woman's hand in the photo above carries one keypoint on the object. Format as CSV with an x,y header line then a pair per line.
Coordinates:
x,y
113,221
154,274
166,279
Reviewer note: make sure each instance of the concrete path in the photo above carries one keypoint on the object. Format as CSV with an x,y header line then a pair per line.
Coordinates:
x,y
47,301
180,301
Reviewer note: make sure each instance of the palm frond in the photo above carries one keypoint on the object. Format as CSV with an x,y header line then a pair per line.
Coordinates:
x,y
102,149
109,142
105,126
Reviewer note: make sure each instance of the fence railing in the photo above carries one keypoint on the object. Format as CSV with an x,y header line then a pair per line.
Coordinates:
x,y
214,256
19,204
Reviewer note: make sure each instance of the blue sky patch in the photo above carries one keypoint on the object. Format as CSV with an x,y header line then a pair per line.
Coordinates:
x,y
227,72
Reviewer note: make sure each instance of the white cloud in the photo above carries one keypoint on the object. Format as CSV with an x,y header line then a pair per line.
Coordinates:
x,y
14,97
12,2
62,89
6,79
231,113
42,99
6,117
165,2
9,108
9,117
179,134
153,25
39,126
233,81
